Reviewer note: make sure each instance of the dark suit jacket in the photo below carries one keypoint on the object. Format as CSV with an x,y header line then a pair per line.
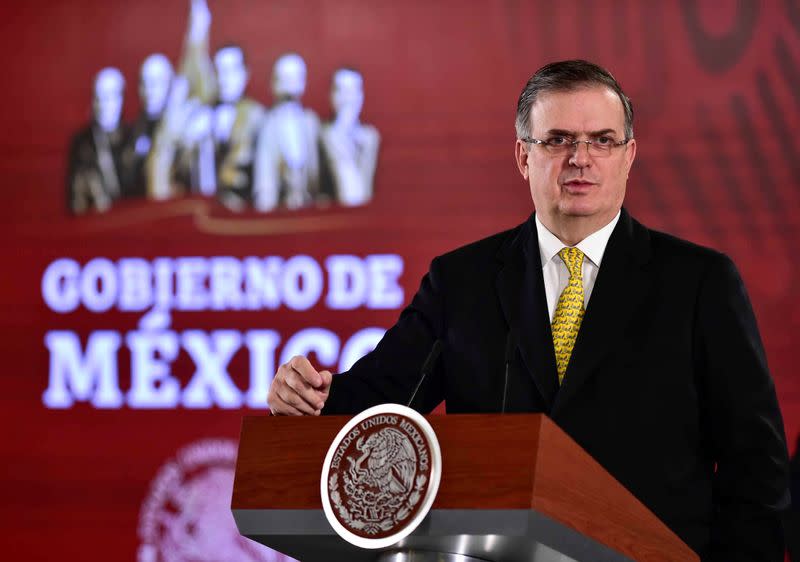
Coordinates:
x,y
792,517
87,187
667,386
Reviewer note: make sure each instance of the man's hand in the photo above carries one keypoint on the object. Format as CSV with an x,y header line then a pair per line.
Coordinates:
x,y
199,21
298,389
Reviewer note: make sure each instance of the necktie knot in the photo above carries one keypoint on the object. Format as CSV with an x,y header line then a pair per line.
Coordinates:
x,y
573,258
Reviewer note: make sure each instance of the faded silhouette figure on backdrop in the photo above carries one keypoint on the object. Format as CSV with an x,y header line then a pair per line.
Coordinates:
x,y
197,133
155,80
179,139
93,180
348,148
235,122
206,143
286,168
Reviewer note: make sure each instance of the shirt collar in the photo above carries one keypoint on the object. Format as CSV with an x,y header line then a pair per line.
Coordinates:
x,y
593,246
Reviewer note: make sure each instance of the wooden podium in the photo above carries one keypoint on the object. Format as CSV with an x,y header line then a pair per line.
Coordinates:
x,y
514,487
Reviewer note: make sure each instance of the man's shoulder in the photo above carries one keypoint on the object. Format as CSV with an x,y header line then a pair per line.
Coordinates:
x,y
82,146
672,250
480,253
250,112
83,135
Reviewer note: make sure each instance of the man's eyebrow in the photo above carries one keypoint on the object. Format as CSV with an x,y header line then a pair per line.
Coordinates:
x,y
565,133
602,132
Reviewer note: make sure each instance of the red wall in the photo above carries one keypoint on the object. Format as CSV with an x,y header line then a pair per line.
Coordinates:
x,y
715,88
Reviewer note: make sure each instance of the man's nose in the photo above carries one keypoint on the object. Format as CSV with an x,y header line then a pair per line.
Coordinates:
x,y
580,157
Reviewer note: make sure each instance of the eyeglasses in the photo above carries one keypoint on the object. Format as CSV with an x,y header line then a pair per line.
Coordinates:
x,y
560,145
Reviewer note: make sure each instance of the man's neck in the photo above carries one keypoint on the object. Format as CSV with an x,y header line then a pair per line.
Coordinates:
x,y
346,123
571,231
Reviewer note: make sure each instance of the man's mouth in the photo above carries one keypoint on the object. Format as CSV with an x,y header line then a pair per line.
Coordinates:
x,y
578,185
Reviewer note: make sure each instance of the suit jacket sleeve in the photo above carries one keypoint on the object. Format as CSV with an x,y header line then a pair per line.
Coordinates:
x,y
751,479
392,370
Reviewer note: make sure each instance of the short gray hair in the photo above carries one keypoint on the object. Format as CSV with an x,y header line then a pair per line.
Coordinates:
x,y
565,76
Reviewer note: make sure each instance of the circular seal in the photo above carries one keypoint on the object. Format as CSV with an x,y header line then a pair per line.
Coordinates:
x,y
380,476
186,516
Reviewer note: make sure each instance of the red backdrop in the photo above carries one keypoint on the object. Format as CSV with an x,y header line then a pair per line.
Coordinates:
x,y
715,86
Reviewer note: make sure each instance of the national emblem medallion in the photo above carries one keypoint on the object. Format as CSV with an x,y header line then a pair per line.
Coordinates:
x,y
380,476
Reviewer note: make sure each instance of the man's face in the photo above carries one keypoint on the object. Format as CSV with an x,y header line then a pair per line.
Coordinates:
x,y
107,104
289,77
231,74
347,95
154,83
576,185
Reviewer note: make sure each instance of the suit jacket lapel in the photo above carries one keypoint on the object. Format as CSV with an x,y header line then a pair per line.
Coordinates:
x,y
620,289
520,289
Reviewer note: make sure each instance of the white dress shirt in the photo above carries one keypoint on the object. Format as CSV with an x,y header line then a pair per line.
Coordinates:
x,y
554,270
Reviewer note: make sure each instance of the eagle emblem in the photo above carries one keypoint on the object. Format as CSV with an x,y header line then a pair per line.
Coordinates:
x,y
391,462
381,475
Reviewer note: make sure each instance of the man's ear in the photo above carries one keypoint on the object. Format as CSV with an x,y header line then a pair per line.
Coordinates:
x,y
521,156
630,154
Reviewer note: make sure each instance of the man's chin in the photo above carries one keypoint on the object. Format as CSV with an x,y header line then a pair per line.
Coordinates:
x,y
579,209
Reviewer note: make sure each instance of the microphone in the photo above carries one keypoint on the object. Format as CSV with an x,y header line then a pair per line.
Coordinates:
x,y
510,348
427,367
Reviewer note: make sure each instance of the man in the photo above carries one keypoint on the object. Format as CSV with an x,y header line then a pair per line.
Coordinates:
x,y
641,346
236,122
93,179
792,517
211,144
155,79
204,141
286,167
348,147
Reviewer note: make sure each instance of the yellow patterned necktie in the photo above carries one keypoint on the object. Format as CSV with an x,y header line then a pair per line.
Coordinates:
x,y
569,311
